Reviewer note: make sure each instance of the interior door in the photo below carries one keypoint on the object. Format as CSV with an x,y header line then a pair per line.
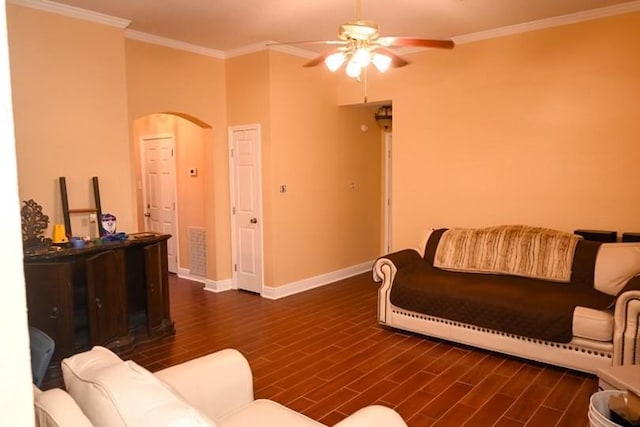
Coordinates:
x,y
159,194
246,206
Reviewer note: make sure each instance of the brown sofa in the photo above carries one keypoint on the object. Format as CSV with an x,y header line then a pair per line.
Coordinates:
x,y
532,292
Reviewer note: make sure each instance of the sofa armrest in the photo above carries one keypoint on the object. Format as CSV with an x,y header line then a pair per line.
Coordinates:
x,y
373,416
626,333
384,270
632,285
398,259
215,384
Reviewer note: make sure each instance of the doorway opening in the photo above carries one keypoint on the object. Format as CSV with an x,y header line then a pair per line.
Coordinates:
x,y
171,187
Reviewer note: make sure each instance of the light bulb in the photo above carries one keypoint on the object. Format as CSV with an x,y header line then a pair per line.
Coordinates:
x,y
382,62
334,61
353,68
363,56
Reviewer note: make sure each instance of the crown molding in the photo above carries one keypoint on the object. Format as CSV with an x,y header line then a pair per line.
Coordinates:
x,y
73,12
556,21
270,45
245,50
174,44
292,50
571,18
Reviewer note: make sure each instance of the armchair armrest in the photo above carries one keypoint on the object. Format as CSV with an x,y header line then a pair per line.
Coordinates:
x,y
373,416
55,407
626,332
215,384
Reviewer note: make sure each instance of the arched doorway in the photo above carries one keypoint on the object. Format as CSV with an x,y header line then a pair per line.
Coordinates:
x,y
169,149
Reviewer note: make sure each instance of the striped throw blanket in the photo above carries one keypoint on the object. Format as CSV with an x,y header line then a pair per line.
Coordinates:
x,y
519,250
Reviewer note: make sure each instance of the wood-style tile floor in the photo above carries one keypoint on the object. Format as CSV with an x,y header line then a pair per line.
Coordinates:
x,y
323,353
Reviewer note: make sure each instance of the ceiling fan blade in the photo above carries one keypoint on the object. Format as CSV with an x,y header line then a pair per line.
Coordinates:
x,y
414,42
396,61
320,59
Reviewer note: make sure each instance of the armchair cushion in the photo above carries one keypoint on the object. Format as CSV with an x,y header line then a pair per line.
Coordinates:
x,y
112,392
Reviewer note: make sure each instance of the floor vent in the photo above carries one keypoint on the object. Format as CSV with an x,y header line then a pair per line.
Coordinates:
x,y
197,251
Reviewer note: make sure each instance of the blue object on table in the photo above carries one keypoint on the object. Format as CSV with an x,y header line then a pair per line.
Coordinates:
x,y
114,237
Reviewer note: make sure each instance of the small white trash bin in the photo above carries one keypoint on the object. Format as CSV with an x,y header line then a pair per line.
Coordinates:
x,y
599,408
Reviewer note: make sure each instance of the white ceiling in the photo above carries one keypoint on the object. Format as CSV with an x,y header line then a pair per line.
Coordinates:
x,y
225,25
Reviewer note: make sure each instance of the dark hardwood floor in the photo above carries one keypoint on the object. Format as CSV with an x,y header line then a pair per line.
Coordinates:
x,y
323,353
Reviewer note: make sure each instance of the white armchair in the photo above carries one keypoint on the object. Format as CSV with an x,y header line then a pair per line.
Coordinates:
x,y
213,390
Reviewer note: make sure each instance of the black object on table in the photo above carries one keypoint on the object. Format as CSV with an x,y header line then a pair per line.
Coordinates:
x,y
631,237
598,235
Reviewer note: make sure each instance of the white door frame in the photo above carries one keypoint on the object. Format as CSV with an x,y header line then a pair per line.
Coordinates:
x,y
387,191
234,222
174,183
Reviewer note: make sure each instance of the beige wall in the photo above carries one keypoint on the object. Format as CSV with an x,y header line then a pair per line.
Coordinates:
x,y
164,80
538,128
509,130
317,150
322,223
69,100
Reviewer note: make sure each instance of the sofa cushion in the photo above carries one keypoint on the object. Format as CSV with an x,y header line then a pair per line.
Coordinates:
x,y
593,324
616,263
517,305
518,250
266,413
112,393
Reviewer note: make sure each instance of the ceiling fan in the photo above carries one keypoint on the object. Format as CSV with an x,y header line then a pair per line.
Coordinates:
x,y
360,45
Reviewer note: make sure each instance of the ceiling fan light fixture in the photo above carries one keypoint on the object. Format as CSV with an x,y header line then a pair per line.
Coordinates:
x,y
353,68
363,57
381,61
334,61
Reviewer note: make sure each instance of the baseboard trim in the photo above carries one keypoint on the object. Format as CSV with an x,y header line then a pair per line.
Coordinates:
x,y
218,285
314,282
184,273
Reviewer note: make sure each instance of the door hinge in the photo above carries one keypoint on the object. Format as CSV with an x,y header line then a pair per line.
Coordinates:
x,y
232,152
233,210
235,267
172,152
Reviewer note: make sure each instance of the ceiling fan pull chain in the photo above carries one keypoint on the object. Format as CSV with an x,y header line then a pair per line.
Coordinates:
x,y
365,84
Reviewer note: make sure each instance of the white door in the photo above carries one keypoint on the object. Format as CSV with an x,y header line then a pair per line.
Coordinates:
x,y
246,209
159,191
387,192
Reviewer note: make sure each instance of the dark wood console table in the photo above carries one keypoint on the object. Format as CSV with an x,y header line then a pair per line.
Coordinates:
x,y
113,294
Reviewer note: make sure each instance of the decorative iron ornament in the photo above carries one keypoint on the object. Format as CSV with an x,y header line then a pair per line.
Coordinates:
x,y
34,223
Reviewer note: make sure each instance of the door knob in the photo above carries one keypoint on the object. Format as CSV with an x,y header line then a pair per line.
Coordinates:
x,y
253,220
147,214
